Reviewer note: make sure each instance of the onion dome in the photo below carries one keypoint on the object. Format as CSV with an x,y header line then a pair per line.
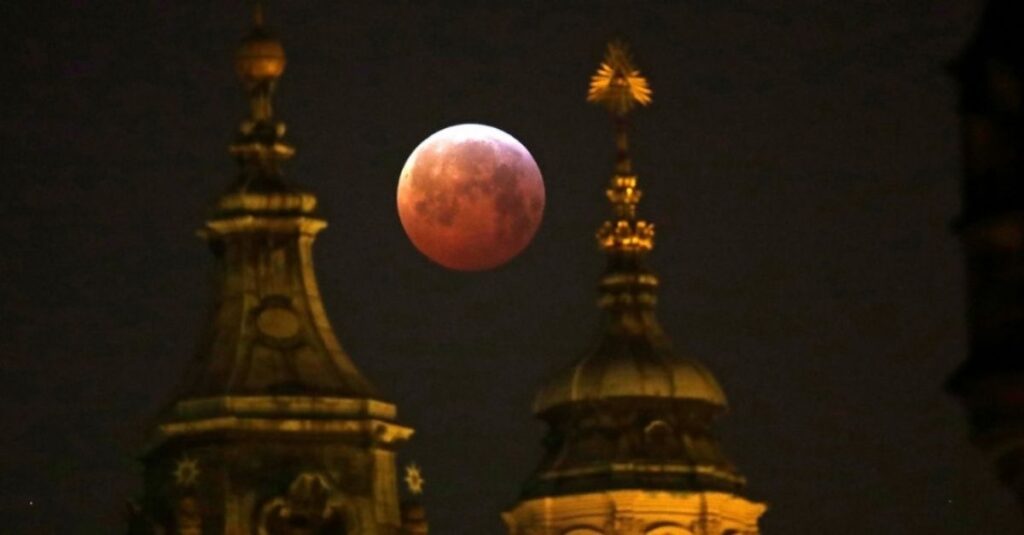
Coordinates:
x,y
630,367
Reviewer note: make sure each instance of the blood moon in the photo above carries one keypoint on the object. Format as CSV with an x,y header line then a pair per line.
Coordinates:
x,y
470,197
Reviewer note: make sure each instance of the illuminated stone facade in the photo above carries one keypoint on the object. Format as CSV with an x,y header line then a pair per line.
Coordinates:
x,y
630,448
273,431
637,512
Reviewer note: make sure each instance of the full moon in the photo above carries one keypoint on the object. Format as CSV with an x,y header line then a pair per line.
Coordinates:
x,y
470,197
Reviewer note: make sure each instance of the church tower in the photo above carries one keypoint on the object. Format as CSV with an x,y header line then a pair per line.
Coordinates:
x,y
273,431
629,448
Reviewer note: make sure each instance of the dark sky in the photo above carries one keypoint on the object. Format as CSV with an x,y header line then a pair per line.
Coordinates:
x,y
801,162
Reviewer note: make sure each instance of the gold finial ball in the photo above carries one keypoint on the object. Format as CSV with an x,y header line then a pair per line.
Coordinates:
x,y
260,58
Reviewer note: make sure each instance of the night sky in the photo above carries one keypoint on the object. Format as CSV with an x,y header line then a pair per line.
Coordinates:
x,y
801,163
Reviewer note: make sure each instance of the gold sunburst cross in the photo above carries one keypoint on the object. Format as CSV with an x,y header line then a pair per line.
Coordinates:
x,y
618,84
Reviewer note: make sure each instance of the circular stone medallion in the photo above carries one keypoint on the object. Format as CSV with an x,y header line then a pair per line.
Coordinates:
x,y
277,322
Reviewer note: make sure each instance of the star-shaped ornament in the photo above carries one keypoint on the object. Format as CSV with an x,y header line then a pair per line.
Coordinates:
x,y
618,84
186,472
413,479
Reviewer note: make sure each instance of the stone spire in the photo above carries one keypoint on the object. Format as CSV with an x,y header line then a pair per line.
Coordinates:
x,y
273,429
630,444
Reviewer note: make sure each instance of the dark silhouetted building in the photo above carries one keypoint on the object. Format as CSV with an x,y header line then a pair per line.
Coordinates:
x,y
991,381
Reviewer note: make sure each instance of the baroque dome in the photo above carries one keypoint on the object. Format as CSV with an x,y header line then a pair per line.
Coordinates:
x,y
637,364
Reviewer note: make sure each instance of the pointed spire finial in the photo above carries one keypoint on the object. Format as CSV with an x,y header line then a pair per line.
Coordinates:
x,y
260,62
257,14
619,87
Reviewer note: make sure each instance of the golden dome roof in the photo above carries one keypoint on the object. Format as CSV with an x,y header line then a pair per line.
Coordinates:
x,y
637,365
